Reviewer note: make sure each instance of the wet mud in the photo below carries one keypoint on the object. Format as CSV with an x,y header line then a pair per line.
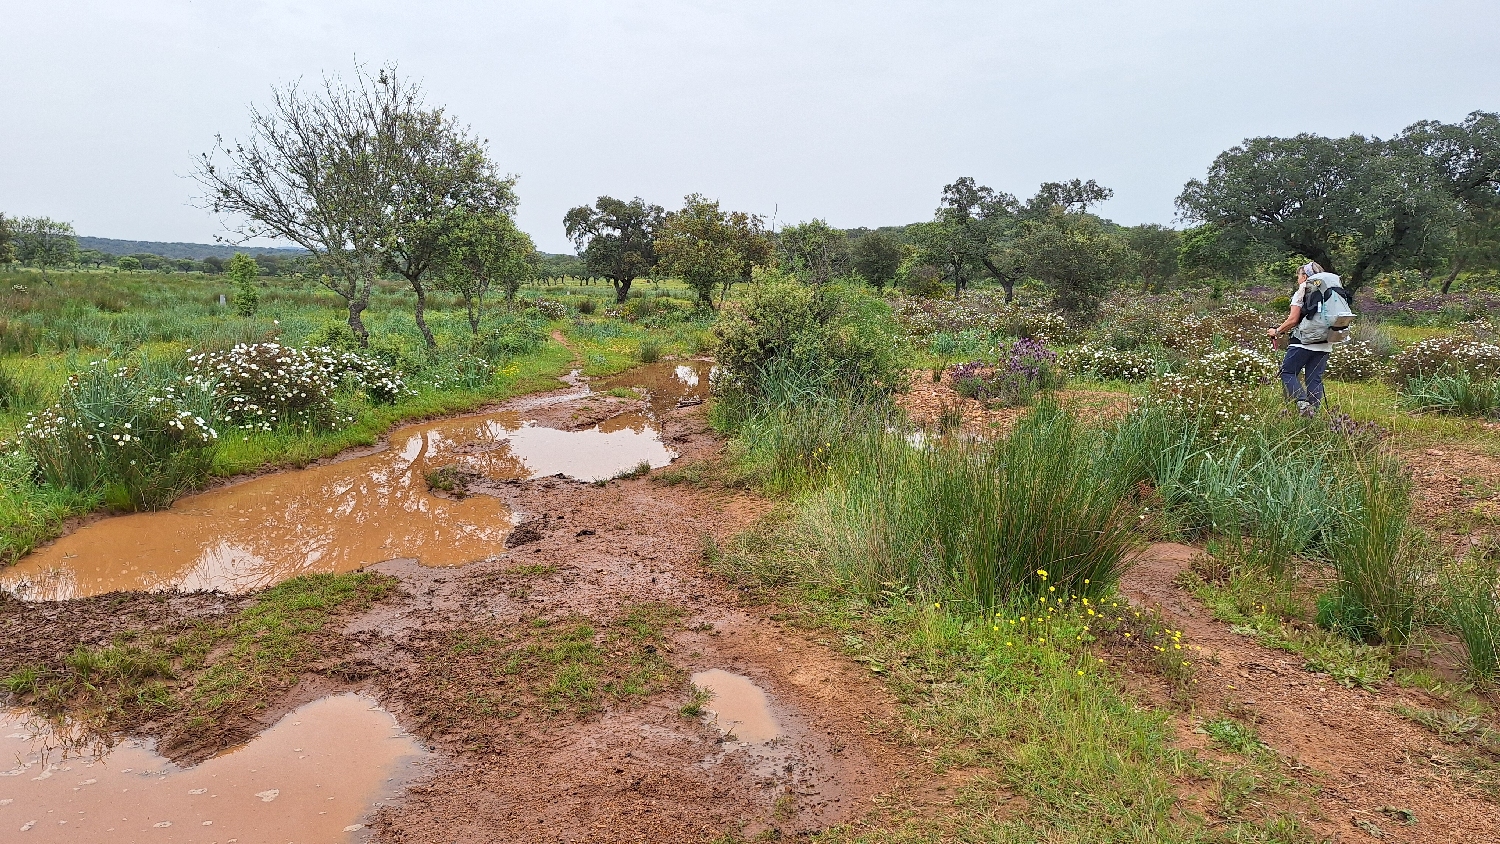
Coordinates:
x,y
346,514
551,714
313,777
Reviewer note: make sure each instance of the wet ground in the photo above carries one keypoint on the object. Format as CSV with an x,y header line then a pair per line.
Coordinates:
x,y
366,508
313,777
791,737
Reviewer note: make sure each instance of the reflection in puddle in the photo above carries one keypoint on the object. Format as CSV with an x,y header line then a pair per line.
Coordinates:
x,y
343,516
739,707
312,777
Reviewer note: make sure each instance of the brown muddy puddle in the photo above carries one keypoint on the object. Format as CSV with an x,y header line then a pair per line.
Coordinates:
x,y
344,515
738,707
311,778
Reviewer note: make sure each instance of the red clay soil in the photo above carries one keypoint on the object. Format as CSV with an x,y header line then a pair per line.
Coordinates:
x,y
1457,495
1359,755
641,772
927,402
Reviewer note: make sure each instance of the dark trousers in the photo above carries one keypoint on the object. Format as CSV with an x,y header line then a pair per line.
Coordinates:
x,y
1312,365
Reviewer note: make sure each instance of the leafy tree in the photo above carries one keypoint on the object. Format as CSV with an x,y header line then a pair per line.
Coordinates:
x,y
877,258
1466,157
1358,206
128,263
1207,250
480,250
1075,256
973,229
243,273
617,239
213,265
45,243
1074,196
813,251
442,174
7,240
711,249
93,258
1156,248
362,176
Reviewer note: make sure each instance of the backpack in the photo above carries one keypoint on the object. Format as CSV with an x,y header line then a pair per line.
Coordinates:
x,y
1326,312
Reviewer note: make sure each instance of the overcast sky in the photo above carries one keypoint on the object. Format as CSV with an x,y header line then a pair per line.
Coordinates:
x,y
856,112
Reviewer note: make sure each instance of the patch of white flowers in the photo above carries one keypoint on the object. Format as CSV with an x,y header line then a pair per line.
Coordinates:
x,y
265,385
1111,364
1233,365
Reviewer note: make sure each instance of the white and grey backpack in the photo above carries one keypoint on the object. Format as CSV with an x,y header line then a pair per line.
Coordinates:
x,y
1326,312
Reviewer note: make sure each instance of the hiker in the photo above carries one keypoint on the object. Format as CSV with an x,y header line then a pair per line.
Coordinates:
x,y
1310,344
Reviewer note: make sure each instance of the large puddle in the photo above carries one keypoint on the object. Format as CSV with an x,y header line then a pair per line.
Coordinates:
x,y
311,778
345,515
738,707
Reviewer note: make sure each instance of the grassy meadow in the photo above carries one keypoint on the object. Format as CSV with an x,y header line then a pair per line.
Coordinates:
x,y
976,575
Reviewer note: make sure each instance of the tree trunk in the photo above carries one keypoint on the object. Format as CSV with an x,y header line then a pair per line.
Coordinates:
x,y
622,289
1452,276
416,284
1006,282
473,315
356,324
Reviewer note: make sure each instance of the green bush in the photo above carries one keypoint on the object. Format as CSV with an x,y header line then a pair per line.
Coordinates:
x,y
788,341
141,435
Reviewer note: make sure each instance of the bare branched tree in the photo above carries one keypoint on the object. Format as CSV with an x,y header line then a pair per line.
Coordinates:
x,y
361,176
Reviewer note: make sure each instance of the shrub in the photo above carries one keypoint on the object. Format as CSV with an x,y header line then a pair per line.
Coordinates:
x,y
1220,410
1355,360
1374,555
787,341
1234,365
1445,356
653,311
141,435
1458,393
1027,367
649,351
1109,364
268,385
550,309
587,305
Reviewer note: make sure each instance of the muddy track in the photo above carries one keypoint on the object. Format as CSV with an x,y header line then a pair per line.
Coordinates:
x,y
1358,755
638,771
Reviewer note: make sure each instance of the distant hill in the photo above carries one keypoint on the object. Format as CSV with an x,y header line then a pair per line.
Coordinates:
x,y
193,251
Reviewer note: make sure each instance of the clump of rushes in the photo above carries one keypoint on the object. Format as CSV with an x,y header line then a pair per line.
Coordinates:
x,y
1473,611
1374,555
978,520
650,350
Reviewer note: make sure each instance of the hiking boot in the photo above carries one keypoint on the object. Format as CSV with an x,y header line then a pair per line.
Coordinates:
x,y
1306,409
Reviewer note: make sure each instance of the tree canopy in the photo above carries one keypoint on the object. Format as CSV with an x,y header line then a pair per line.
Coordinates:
x,y
813,251
711,249
44,242
1359,206
364,176
876,257
479,251
617,239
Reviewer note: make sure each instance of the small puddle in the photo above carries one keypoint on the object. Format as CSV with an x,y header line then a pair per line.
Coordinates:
x,y
348,514
311,778
739,707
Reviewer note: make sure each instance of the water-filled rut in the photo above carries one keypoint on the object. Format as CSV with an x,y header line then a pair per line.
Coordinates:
x,y
350,513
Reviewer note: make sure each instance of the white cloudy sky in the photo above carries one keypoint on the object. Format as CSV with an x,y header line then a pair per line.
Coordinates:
x,y
857,112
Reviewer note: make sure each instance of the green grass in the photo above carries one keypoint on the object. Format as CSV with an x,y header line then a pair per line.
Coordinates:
x,y
207,670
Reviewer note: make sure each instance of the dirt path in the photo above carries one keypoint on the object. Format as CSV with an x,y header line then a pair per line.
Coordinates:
x,y
640,772
1359,755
